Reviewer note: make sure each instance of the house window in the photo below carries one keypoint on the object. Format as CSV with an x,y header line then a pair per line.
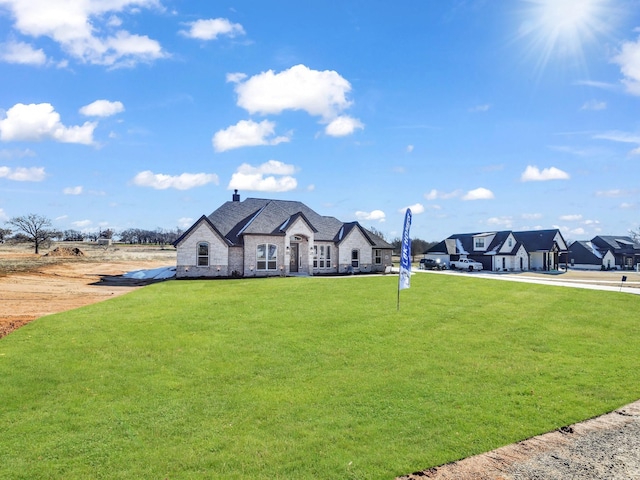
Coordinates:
x,y
479,242
377,256
322,256
510,243
203,254
266,256
355,258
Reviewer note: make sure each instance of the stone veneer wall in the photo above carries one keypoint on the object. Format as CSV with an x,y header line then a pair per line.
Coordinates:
x,y
251,243
355,240
187,255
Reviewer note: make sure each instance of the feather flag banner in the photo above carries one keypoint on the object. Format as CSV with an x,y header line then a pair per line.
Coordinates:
x,y
404,279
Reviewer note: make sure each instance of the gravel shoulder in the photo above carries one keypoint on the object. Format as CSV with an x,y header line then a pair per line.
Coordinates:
x,y
605,447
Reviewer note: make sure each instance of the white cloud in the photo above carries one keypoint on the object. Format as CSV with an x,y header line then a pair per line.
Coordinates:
x,y
10,154
438,195
480,108
81,223
374,216
409,148
73,190
272,176
618,136
416,209
629,60
85,30
595,84
21,174
236,77
478,194
503,222
3,215
102,108
185,222
627,206
211,28
576,231
247,133
621,137
319,93
184,181
534,174
36,122
531,216
594,105
611,193
22,53
571,218
343,126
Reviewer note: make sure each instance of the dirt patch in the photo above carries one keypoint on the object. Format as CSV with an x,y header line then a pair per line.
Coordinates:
x,y
33,286
65,252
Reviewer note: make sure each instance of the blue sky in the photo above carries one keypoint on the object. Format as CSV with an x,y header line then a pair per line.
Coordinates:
x,y
478,115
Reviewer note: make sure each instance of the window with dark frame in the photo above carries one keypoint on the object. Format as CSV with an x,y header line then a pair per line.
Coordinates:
x,y
266,256
355,258
203,254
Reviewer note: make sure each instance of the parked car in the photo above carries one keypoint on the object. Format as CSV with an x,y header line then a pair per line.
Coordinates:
x,y
466,264
431,264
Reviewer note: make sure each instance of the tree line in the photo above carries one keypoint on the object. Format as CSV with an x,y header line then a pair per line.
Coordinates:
x,y
38,230
418,246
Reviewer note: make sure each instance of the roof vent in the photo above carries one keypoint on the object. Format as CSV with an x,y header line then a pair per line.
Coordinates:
x,y
236,196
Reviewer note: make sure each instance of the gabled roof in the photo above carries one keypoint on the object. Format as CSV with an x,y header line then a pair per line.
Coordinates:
x,y
262,216
585,252
619,244
195,225
533,241
371,237
539,240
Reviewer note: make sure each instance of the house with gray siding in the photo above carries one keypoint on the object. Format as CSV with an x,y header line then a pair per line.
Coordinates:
x,y
260,237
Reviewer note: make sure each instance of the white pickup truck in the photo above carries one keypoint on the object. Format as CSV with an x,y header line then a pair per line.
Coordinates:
x,y
466,264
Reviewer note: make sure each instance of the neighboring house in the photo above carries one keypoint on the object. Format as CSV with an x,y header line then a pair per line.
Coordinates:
x,y
618,252
584,255
504,250
263,237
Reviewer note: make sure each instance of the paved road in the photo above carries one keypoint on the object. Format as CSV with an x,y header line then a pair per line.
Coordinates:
x,y
632,285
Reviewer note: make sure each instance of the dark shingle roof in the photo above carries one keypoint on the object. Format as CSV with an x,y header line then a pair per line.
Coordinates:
x,y
271,217
619,244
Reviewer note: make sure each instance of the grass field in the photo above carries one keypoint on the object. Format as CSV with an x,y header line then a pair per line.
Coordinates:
x,y
307,378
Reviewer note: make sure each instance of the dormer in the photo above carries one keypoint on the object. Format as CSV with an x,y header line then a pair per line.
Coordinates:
x,y
481,241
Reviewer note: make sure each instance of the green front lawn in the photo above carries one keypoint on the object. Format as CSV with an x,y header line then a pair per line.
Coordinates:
x,y
308,378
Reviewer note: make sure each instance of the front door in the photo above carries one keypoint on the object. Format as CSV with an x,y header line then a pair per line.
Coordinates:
x,y
293,258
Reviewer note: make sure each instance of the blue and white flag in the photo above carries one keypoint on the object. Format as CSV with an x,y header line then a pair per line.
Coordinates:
x,y
405,255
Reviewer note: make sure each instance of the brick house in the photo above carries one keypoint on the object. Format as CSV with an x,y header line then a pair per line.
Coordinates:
x,y
264,237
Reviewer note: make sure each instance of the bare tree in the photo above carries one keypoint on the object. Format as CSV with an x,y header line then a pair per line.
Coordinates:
x,y
4,233
635,234
377,232
35,228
